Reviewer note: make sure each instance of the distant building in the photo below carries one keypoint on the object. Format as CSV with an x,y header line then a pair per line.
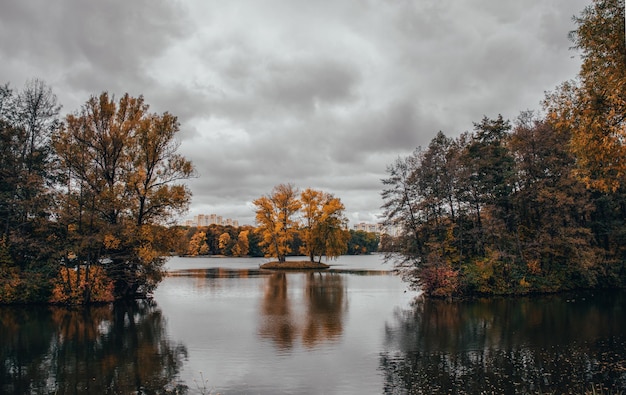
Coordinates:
x,y
373,228
211,219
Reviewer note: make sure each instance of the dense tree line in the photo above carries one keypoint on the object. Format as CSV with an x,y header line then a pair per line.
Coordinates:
x,y
537,206
215,240
85,202
218,240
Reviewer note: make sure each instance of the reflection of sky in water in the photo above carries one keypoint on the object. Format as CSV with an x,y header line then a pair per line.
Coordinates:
x,y
242,325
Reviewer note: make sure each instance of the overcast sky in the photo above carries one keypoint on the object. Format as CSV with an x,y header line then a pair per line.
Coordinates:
x,y
322,94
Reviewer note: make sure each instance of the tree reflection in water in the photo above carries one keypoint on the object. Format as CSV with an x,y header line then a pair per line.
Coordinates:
x,y
122,348
325,303
552,344
278,323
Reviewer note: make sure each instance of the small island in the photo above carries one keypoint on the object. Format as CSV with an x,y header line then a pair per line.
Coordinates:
x,y
294,265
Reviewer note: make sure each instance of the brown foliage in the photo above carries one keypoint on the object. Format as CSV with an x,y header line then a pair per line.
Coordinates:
x,y
82,286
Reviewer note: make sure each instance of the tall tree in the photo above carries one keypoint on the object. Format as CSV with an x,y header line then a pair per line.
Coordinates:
x,y
275,217
401,195
323,231
27,119
419,202
491,163
38,112
121,168
594,108
311,214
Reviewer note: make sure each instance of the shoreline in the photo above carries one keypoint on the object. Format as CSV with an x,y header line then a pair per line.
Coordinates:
x,y
294,265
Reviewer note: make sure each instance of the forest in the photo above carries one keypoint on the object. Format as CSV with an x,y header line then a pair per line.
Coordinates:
x,y
537,205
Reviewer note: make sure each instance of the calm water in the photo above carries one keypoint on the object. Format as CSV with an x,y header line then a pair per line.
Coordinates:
x,y
221,325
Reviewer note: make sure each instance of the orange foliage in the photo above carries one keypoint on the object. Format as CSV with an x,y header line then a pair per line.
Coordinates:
x,y
439,281
72,287
534,266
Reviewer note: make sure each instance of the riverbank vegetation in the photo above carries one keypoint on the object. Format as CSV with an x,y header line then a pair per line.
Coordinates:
x,y
531,206
85,203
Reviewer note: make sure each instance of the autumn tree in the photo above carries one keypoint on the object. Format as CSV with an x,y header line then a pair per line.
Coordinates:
x,y
120,188
591,111
323,230
198,245
225,243
242,246
311,215
275,217
593,108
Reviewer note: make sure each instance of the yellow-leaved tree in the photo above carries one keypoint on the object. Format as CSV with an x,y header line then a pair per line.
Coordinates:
x,y
197,244
224,243
275,217
593,109
323,231
242,246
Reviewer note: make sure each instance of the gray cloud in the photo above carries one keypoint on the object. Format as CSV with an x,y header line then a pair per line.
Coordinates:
x,y
323,94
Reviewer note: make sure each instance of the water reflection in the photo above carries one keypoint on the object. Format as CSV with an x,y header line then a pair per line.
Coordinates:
x,y
537,345
325,306
109,349
217,272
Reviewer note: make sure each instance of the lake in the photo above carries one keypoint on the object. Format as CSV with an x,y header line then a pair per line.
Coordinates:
x,y
222,325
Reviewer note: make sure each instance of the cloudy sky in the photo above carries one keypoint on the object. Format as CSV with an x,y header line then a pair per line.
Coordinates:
x,y
322,94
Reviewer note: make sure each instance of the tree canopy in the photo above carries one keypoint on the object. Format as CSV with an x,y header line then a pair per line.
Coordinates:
x,y
593,107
